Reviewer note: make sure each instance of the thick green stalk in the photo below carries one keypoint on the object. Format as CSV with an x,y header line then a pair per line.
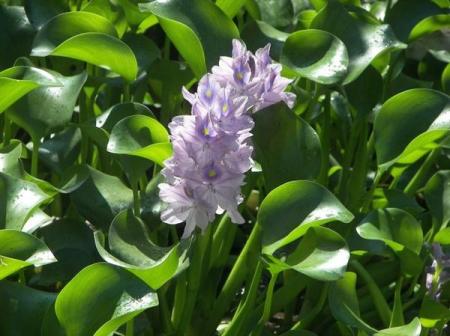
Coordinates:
x,y
267,305
35,158
325,141
306,320
130,328
179,300
234,280
378,299
419,178
136,199
6,130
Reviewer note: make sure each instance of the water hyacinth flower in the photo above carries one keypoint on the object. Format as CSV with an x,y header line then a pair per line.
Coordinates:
x,y
439,271
212,147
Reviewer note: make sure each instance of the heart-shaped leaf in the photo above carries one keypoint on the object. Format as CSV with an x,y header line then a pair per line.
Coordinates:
x,y
15,27
344,305
301,154
140,136
45,109
66,25
20,199
99,197
364,40
19,250
199,29
433,312
430,25
84,307
414,328
322,254
19,80
437,195
409,125
23,309
115,56
400,231
316,55
132,248
291,209
41,11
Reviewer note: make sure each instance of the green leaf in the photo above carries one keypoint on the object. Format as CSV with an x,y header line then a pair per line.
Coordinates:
x,y
400,231
344,305
433,312
417,11
17,34
230,7
409,125
45,109
10,158
371,81
112,11
198,28
364,40
141,137
437,196
84,307
279,13
41,11
446,79
66,25
19,250
290,210
322,254
20,199
115,56
132,248
430,25
18,81
23,309
412,329
316,55
99,197
301,154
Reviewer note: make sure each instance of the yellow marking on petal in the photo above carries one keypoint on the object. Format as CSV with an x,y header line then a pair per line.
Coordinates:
x,y
225,108
206,131
212,173
208,93
240,75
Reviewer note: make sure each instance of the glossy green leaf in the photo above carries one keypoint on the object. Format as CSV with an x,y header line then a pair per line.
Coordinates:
x,y
85,308
23,309
230,7
344,305
290,210
430,25
45,109
364,40
433,312
409,125
99,197
9,158
18,81
276,13
301,154
41,11
417,11
112,11
316,55
198,28
132,248
142,137
115,56
322,254
66,25
446,79
400,231
437,196
19,250
20,199
14,27
412,329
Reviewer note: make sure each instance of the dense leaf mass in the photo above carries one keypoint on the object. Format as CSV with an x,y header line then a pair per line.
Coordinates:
x,y
136,134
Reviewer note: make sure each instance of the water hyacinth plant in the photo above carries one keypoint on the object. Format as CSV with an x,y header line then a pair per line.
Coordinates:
x,y
229,167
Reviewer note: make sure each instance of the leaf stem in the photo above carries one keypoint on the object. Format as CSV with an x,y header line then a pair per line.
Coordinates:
x,y
130,328
325,140
267,305
136,199
418,179
237,275
35,157
6,130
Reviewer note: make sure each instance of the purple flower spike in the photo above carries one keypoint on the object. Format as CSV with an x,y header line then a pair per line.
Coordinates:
x,y
212,147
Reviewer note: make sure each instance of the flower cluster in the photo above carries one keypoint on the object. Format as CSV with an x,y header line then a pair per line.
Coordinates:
x,y
212,147
439,271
